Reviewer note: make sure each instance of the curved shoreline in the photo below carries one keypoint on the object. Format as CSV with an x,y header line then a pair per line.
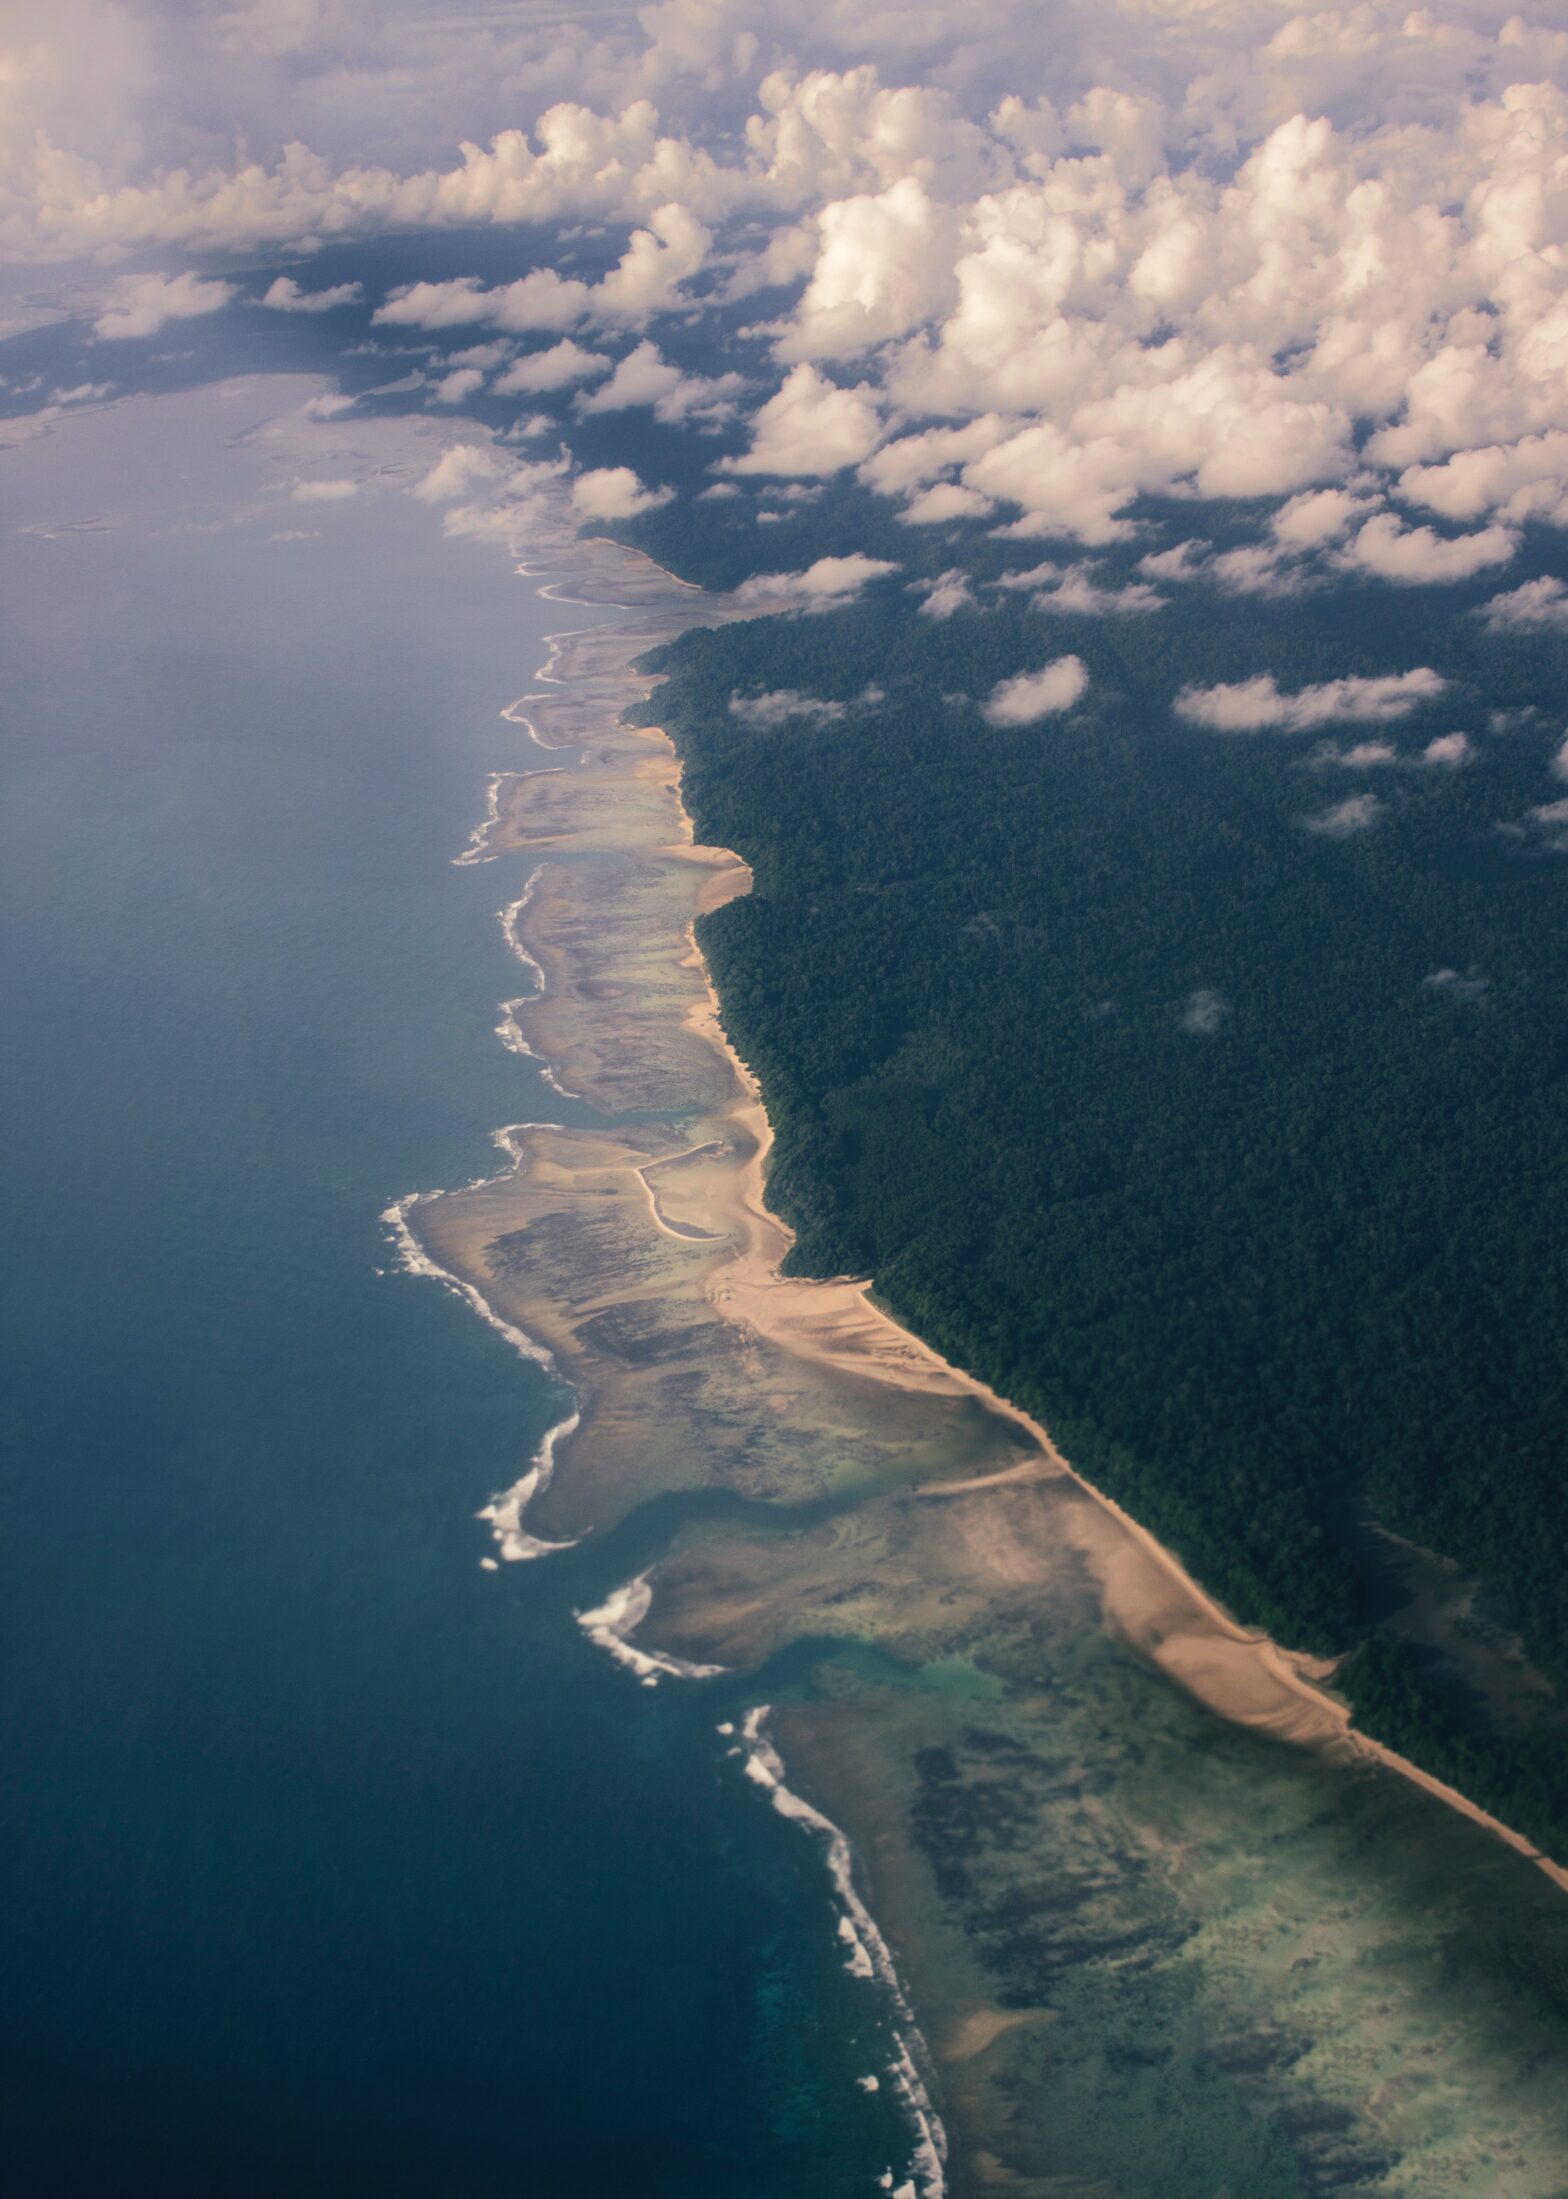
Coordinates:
x,y
1210,1662
607,1248
1296,1671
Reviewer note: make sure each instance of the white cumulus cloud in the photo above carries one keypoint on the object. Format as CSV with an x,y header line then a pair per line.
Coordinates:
x,y
1359,814
1413,555
827,585
778,705
644,377
1031,695
948,593
615,492
139,305
1258,705
286,296
1448,750
810,427
453,388
558,367
1540,606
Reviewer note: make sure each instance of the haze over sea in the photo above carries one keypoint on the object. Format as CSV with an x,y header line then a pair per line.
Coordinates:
x,y
332,1862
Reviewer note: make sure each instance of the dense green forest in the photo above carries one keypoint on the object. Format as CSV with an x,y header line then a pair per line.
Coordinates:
x,y
1233,1148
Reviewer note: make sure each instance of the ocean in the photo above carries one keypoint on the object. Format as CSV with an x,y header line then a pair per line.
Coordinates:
x,y
341,1857
332,1861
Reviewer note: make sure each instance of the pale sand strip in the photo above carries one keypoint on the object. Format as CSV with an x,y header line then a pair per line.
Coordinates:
x,y
1237,1671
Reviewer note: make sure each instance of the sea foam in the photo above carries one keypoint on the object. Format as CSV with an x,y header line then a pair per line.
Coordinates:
x,y
505,1512
610,1627
866,1956
478,848
509,1030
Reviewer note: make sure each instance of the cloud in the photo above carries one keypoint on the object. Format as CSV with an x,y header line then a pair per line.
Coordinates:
x,y
1448,750
944,501
540,300
648,279
456,472
1205,1012
84,393
492,496
1032,695
556,368
323,492
615,492
948,593
1359,814
1070,591
1540,606
139,305
1364,756
1257,705
1317,517
1412,556
453,388
884,265
1183,562
828,585
1256,569
1518,481
1560,760
643,377
286,296
776,706
481,355
1222,250
809,427
1452,986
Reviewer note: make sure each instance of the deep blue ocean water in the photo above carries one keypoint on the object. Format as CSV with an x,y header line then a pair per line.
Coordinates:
x,y
332,1864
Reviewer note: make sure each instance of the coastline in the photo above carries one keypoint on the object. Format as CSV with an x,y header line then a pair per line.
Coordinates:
x,y
1237,1686
638,1259
1237,1671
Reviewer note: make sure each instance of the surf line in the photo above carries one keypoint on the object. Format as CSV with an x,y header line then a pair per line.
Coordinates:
x,y
611,1624
509,1030
505,1513
866,1953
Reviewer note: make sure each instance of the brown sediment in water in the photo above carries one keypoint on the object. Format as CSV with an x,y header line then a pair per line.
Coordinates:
x,y
643,1255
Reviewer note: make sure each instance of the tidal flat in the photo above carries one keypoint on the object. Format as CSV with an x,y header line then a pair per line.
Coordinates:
x,y
1161,1923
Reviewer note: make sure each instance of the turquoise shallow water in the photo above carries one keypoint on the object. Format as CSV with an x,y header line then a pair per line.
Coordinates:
x,y
331,1863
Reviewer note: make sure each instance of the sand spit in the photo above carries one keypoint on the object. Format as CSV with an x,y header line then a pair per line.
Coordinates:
x,y
1031,1763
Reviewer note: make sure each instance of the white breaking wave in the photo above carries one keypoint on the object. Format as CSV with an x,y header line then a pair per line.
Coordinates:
x,y
509,1030
612,1624
507,1511
478,848
516,714
867,1956
415,1260
508,919
504,1513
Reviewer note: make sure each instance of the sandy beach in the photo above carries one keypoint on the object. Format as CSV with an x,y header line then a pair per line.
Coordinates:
x,y
915,1510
